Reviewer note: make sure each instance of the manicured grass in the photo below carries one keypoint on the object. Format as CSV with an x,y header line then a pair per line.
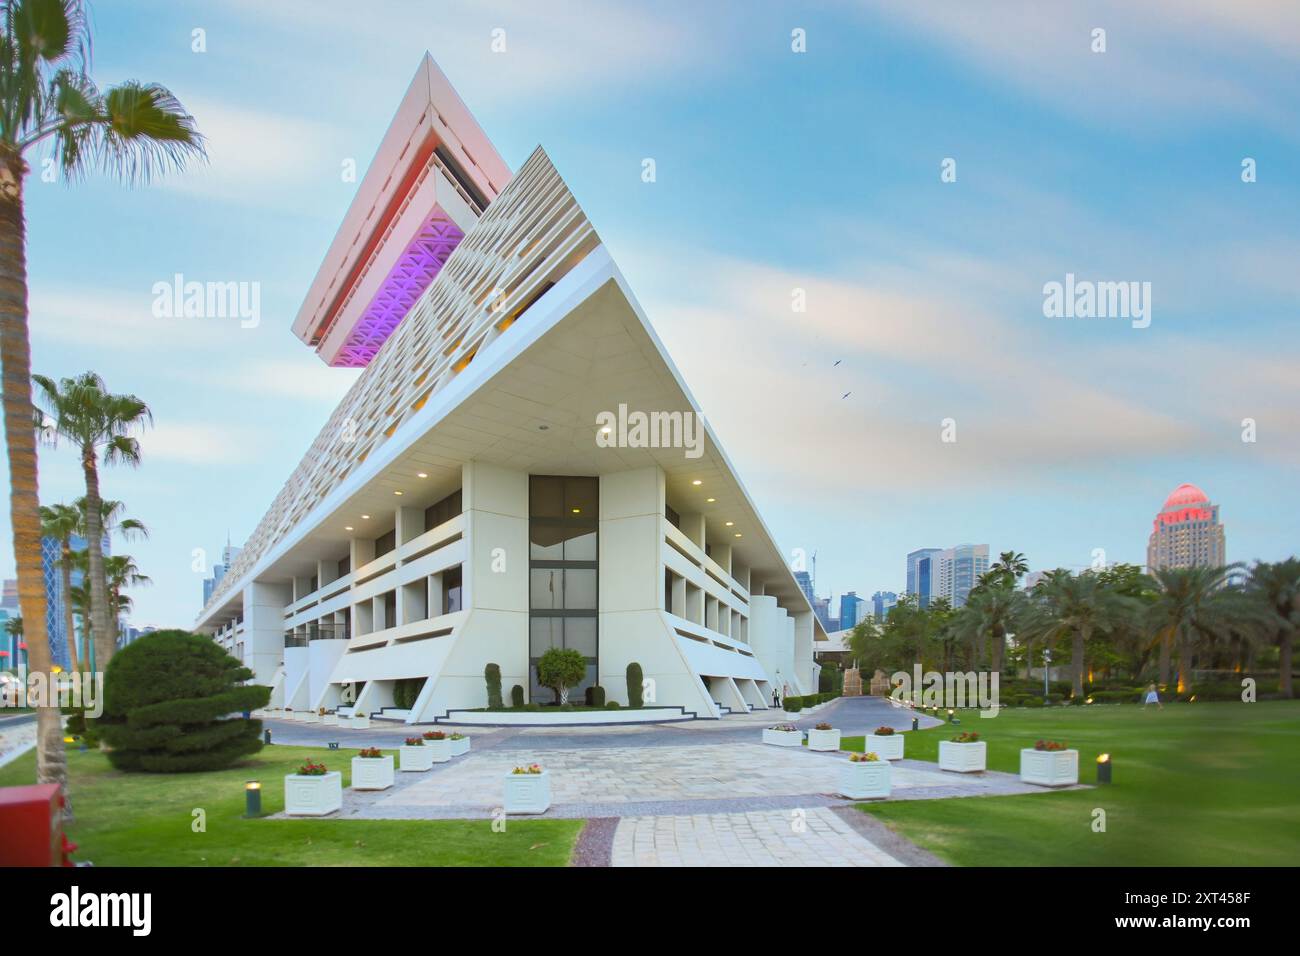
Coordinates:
x,y
1213,784
144,819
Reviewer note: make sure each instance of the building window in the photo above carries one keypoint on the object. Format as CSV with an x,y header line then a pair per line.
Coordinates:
x,y
385,543
563,572
443,511
345,565
451,590
390,609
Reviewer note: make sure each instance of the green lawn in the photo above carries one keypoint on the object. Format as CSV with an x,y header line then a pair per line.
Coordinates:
x,y
1213,784
143,819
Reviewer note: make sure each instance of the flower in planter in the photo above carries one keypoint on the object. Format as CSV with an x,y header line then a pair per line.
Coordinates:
x,y
310,769
967,737
370,752
457,736
532,768
824,726
867,757
288,710
884,731
415,741
320,711
434,735
1049,745
359,713
785,728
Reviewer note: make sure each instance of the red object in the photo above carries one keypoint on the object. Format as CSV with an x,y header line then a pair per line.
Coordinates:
x,y
22,645
4,653
32,826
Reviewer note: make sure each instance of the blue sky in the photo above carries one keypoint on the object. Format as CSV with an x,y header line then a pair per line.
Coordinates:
x,y
775,171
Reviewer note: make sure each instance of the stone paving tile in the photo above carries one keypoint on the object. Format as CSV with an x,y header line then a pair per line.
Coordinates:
x,y
816,837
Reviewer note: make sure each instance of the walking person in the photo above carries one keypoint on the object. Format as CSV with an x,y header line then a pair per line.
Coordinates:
x,y
1153,697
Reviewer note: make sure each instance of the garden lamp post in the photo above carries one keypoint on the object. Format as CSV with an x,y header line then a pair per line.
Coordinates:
x,y
1047,666
1103,768
252,799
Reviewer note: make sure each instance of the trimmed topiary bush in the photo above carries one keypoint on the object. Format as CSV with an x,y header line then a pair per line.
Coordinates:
x,y
561,669
492,674
612,705
167,700
516,697
635,683
597,695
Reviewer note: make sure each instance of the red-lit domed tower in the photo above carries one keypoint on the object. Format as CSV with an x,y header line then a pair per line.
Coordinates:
x,y
1186,532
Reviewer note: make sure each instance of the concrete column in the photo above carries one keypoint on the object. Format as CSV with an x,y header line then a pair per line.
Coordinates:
x,y
264,604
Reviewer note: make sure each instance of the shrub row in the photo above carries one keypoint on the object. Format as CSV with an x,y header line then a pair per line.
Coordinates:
x,y
795,704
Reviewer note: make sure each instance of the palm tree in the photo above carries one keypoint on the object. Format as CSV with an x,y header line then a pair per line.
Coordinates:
x,y
132,131
1194,606
1277,587
98,423
112,520
61,522
1076,606
991,613
1011,565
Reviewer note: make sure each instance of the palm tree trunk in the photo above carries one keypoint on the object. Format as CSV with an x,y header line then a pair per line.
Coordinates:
x,y
1286,647
1166,640
66,584
995,652
1184,663
103,627
1080,642
20,439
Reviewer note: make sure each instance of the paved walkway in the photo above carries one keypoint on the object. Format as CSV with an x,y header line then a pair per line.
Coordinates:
x,y
700,793
815,837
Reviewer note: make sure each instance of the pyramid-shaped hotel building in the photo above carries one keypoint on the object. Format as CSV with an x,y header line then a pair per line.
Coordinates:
x,y
464,504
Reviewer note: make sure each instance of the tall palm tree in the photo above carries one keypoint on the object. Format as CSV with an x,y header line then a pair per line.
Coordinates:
x,y
1194,606
1076,606
61,522
99,424
1012,565
1276,586
131,131
112,520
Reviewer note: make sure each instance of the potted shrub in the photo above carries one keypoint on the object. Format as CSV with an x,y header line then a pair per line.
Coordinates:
x,y
887,743
414,755
528,790
313,791
459,744
783,735
439,746
864,776
360,720
1049,764
823,737
965,753
372,770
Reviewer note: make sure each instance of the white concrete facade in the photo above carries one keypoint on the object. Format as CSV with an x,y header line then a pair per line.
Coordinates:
x,y
404,559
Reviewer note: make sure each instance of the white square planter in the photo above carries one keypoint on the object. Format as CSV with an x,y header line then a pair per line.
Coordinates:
x,y
311,718
331,720
528,792
372,773
459,747
889,747
306,796
963,758
783,738
441,749
359,723
864,781
416,758
286,715
823,739
1049,768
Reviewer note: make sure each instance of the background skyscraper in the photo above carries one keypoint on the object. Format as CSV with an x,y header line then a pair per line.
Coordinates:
x,y
851,610
1187,532
881,602
920,575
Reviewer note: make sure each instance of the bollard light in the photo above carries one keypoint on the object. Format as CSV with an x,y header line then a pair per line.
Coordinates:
x,y
252,799
334,745
69,740
950,713
916,723
1103,768
266,735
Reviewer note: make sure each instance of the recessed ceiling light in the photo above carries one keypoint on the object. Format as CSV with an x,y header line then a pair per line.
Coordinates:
x,y
366,517
421,474
606,429
347,527
730,523
577,511
738,534
542,428
710,500
397,492
697,482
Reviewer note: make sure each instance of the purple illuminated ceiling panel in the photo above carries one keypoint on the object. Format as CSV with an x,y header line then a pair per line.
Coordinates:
x,y
414,272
